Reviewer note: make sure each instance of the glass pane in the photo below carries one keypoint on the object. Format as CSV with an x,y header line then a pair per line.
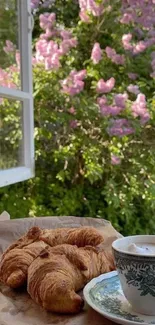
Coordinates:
x,y
11,134
9,44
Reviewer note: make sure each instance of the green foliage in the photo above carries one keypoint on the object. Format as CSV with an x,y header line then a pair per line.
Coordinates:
x,y
74,174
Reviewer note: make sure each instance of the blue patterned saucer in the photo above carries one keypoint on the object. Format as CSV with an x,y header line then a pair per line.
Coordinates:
x,y
104,294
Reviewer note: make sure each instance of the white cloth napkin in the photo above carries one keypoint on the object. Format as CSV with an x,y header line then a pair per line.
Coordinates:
x,y
4,216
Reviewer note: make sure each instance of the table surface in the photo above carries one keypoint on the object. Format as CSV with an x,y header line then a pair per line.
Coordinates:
x,y
87,317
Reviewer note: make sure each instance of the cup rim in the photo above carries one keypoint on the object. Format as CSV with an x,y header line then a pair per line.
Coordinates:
x,y
117,241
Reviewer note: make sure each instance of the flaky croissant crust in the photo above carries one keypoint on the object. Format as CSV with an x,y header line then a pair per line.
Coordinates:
x,y
58,273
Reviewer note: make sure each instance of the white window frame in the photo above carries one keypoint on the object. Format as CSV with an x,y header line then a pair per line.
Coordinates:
x,y
26,171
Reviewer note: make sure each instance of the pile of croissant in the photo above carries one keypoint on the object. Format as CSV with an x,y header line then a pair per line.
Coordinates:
x,y
55,264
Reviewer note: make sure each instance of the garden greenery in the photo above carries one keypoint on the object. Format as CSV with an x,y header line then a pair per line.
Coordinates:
x,y
94,96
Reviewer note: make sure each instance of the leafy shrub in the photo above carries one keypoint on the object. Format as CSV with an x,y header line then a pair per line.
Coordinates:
x,y
94,115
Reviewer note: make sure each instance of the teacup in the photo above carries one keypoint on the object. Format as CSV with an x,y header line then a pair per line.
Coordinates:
x,y
136,272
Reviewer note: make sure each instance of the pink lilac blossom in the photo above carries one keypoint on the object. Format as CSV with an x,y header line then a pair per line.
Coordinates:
x,y
120,100
139,109
115,160
115,58
102,100
107,110
139,47
132,76
10,47
126,18
65,34
78,75
53,62
67,44
126,39
47,20
48,53
74,83
134,89
34,4
72,111
96,54
105,86
41,50
141,14
151,33
73,124
49,34
6,79
17,56
120,128
91,7
84,17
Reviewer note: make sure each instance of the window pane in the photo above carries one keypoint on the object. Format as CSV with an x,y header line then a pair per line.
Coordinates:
x,y
9,44
11,135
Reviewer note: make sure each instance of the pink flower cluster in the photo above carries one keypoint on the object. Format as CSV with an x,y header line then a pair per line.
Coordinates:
x,y
139,109
66,45
120,128
74,83
7,76
116,108
34,4
138,48
6,79
9,48
134,89
138,12
132,76
142,14
47,20
96,54
115,160
115,58
73,124
48,51
72,110
105,86
120,100
84,16
89,7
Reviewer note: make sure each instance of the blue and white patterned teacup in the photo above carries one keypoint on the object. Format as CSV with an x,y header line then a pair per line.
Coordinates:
x,y
136,273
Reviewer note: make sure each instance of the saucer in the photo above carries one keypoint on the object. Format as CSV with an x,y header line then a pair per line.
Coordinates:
x,y
104,294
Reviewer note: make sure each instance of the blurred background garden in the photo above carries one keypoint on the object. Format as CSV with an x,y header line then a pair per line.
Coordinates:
x,y
94,107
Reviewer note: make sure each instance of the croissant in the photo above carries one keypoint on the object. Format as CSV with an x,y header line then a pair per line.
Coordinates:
x,y
17,258
74,236
15,263
58,273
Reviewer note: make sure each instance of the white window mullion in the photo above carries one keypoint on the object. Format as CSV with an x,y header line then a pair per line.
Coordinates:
x,y
26,75
14,93
25,170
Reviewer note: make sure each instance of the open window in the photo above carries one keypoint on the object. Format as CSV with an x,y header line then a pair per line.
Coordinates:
x,y
16,101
